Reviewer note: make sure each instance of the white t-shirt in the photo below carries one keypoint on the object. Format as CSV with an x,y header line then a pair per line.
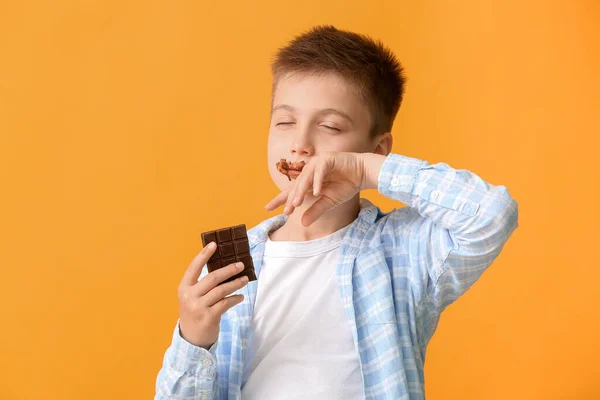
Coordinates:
x,y
302,345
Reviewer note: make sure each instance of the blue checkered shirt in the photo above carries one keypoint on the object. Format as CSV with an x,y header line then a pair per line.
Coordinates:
x,y
397,272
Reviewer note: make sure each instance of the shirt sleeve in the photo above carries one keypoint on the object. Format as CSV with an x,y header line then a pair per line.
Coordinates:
x,y
188,371
466,222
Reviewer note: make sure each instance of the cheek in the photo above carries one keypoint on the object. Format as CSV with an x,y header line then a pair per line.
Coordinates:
x,y
277,149
347,143
274,150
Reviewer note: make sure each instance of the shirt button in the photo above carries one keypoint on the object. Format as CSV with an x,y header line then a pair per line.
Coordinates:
x,y
395,181
204,396
435,194
207,361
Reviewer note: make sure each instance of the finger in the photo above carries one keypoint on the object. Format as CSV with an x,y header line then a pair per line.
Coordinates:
x,y
192,273
305,182
289,207
221,291
277,200
213,279
318,180
318,208
225,304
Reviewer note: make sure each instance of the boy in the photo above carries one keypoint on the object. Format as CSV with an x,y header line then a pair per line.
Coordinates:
x,y
347,297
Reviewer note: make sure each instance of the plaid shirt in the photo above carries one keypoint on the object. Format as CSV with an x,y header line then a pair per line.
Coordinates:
x,y
397,272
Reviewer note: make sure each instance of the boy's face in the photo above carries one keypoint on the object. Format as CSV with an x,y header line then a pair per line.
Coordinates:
x,y
314,114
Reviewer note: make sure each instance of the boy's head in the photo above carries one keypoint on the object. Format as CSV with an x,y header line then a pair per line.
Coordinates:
x,y
333,90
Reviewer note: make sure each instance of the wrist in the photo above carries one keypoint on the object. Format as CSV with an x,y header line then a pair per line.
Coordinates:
x,y
192,341
372,164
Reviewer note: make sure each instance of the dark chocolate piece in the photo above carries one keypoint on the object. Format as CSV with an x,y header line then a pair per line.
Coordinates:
x,y
232,246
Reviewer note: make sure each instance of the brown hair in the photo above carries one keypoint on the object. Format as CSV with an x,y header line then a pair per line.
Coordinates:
x,y
367,64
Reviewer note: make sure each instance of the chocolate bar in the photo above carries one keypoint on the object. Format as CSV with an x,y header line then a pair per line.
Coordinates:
x,y
232,246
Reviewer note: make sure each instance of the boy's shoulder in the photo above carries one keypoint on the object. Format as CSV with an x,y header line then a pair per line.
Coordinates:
x,y
391,227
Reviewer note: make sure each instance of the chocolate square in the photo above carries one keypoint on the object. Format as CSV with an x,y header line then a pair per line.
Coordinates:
x,y
212,265
241,246
226,250
246,259
209,237
224,235
239,232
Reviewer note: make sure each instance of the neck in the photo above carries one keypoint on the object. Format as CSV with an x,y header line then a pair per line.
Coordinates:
x,y
331,221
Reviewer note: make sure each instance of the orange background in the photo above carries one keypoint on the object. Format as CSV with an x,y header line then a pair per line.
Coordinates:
x,y
129,127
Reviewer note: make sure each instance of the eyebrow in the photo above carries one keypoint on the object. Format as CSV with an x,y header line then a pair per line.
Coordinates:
x,y
324,111
283,107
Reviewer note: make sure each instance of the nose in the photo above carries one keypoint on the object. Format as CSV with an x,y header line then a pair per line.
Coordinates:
x,y
302,144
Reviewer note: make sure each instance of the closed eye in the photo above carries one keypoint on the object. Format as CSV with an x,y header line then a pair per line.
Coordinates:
x,y
331,128
284,123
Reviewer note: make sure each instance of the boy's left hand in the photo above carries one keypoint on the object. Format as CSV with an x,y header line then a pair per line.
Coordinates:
x,y
334,177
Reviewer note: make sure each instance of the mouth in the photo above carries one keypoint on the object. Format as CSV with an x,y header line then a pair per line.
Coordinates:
x,y
290,169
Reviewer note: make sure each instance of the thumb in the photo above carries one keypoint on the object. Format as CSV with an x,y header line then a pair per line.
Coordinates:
x,y
317,209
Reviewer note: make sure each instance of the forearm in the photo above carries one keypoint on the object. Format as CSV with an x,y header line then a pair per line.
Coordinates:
x,y
457,200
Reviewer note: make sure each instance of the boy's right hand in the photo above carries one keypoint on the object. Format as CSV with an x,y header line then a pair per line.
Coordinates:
x,y
203,302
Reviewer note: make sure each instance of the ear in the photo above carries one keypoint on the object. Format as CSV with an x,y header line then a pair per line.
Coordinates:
x,y
383,143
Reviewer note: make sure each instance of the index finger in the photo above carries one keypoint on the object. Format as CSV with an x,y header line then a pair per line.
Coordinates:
x,y
192,273
305,183
278,200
